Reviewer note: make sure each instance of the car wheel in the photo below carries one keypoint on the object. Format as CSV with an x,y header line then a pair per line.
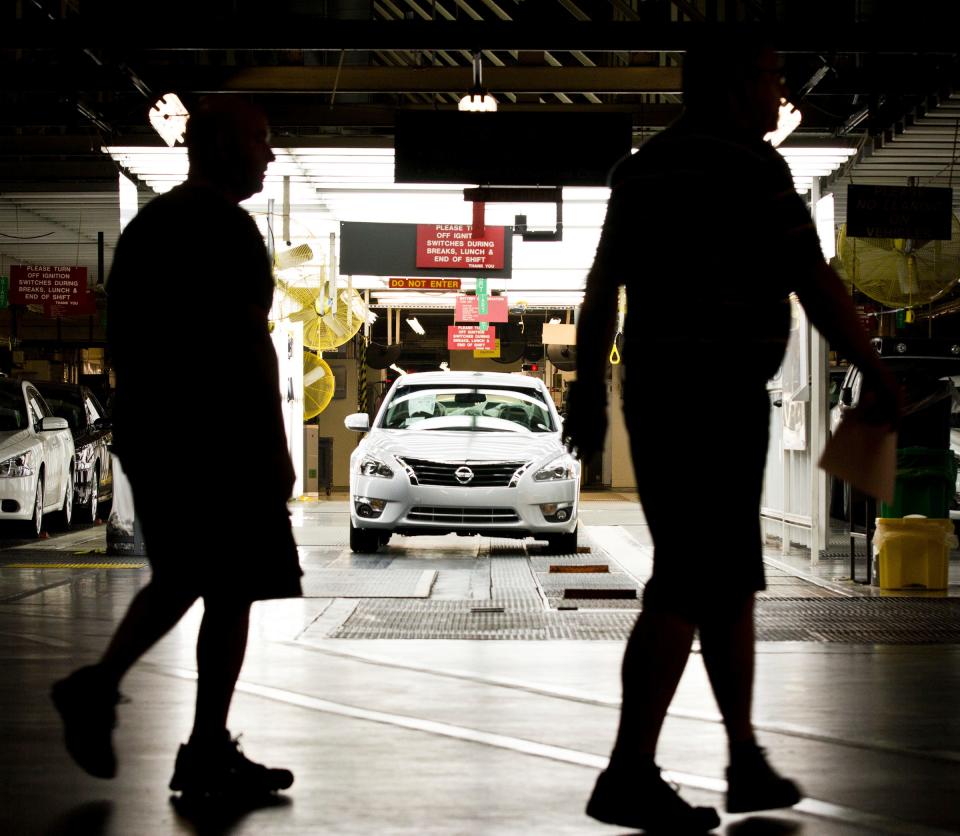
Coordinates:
x,y
364,540
34,525
562,543
65,515
91,510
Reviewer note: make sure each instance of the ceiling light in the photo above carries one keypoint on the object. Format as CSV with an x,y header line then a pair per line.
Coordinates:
x,y
788,121
414,323
477,100
169,118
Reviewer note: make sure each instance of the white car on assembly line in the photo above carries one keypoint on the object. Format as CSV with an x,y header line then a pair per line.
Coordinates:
x,y
463,452
36,459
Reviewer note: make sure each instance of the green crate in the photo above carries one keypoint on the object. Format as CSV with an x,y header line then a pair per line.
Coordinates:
x,y
926,483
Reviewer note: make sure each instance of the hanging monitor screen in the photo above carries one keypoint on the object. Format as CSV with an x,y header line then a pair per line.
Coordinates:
x,y
509,149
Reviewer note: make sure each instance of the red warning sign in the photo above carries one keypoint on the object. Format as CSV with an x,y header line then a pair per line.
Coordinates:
x,y
453,246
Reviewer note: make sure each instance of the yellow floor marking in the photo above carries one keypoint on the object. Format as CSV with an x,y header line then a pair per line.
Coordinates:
x,y
72,565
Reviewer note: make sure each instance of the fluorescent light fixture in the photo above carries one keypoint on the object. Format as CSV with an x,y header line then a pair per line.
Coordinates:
x,y
414,323
169,118
824,219
129,199
788,122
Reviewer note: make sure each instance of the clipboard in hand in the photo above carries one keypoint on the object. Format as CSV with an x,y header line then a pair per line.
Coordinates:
x,y
865,455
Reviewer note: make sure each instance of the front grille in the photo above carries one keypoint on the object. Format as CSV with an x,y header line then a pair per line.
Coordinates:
x,y
461,516
485,474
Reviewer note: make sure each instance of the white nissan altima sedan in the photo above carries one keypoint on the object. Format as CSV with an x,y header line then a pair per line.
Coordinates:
x,y
463,452
36,459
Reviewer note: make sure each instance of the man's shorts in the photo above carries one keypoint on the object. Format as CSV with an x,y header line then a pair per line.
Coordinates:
x,y
699,459
237,548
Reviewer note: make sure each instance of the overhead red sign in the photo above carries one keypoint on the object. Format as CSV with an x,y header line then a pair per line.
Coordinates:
x,y
454,246
468,309
62,291
424,284
470,338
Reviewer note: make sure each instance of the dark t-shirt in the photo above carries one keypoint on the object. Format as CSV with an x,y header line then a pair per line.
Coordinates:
x,y
710,237
198,395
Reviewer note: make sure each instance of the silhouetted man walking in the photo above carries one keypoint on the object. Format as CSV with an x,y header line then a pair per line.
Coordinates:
x,y
706,231
188,297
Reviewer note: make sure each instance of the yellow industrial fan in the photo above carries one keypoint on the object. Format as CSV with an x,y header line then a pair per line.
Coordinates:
x,y
318,385
330,316
901,272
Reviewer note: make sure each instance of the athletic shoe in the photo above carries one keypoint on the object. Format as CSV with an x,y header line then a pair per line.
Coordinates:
x,y
644,801
87,705
752,784
221,769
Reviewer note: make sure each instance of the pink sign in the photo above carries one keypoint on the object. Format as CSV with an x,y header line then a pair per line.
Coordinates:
x,y
468,309
453,246
470,338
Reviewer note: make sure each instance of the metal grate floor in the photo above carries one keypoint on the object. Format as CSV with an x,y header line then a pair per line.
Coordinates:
x,y
847,620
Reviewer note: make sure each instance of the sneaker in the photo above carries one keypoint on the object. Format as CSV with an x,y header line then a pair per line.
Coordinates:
x,y
752,784
645,801
87,705
221,769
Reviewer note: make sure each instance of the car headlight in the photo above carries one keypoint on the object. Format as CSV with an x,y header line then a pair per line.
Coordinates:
x,y
369,466
560,468
21,465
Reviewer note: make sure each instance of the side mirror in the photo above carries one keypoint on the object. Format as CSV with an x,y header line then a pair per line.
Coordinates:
x,y
846,396
358,422
52,423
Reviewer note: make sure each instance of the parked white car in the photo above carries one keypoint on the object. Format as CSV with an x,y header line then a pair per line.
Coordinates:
x,y
463,452
36,459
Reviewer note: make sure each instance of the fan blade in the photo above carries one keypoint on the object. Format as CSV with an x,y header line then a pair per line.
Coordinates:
x,y
302,315
294,257
313,376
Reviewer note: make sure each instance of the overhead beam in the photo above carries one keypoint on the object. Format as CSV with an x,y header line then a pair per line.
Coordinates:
x,y
520,79
915,37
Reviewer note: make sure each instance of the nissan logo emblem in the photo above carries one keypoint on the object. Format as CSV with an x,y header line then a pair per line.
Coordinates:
x,y
463,474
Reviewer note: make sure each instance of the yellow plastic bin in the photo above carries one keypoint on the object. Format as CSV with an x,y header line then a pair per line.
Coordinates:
x,y
914,552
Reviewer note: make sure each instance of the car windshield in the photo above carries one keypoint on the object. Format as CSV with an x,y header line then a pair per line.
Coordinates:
x,y
471,409
13,413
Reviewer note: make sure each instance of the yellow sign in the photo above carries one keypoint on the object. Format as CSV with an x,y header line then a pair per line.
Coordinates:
x,y
494,352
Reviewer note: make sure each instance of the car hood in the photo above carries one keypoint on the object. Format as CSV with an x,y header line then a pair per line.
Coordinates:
x,y
438,445
12,440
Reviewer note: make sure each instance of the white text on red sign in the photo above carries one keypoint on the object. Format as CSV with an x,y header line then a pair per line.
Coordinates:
x,y
43,285
470,338
453,245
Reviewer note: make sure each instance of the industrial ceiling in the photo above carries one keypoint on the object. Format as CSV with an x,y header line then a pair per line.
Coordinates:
x,y
76,77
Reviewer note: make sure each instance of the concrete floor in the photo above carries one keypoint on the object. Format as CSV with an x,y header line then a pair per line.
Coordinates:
x,y
434,736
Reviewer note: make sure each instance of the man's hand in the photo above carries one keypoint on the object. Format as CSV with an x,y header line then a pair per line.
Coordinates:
x,y
585,424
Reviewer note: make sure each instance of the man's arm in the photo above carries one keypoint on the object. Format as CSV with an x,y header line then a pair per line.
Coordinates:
x,y
831,310
585,425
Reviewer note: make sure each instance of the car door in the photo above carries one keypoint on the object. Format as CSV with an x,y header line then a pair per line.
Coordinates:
x,y
54,449
101,436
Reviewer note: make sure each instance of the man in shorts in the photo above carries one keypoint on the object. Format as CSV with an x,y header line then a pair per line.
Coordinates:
x,y
189,292
706,231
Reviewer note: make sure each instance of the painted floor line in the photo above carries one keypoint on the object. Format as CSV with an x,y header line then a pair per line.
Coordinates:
x,y
809,806
785,729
